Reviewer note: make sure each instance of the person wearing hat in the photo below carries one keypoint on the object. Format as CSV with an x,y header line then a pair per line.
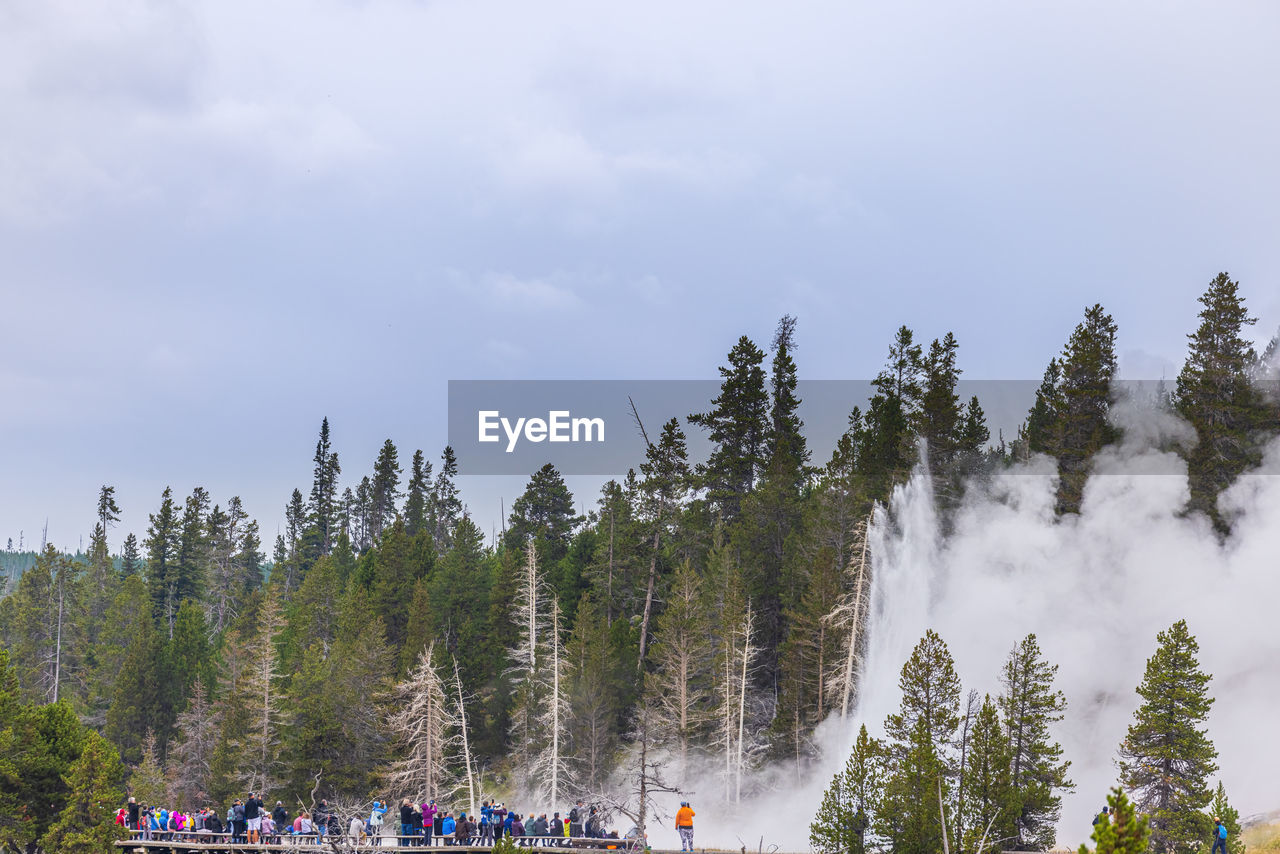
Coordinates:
x,y
684,826
1219,836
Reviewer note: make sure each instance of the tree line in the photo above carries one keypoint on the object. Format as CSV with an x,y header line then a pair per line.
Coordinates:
x,y
708,610
987,774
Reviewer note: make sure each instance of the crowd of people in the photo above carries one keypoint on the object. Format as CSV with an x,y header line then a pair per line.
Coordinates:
x,y
250,821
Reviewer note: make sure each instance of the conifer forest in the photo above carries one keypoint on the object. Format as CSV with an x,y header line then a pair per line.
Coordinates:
x,y
709,629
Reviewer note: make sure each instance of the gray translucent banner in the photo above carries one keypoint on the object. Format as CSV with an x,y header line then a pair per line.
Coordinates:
x,y
586,427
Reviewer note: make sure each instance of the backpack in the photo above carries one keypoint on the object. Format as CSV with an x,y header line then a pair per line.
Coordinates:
x,y
1222,831
573,815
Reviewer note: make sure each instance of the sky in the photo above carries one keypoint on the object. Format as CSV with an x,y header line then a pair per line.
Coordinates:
x,y
222,222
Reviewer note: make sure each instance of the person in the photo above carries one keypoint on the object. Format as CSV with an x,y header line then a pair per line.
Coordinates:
x,y
355,831
556,829
253,818
375,821
280,816
321,819
133,813
304,826
575,821
447,827
460,836
429,813
437,820
1219,836
406,821
213,824
267,832
593,828
239,822
1102,817
684,826
517,829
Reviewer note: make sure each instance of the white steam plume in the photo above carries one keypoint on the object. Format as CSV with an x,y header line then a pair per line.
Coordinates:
x,y
1095,589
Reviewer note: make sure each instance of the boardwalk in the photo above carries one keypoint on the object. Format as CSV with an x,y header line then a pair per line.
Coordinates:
x,y
340,844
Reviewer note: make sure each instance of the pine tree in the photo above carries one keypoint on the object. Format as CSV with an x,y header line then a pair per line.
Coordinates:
x,y
920,774
1125,833
85,824
1042,420
1030,706
886,441
384,489
147,782
130,558
415,503
988,801
1166,757
324,490
806,656
666,480
592,697
939,419
446,506
1216,395
1221,810
930,693
544,514
678,683
851,803
162,552
737,425
191,559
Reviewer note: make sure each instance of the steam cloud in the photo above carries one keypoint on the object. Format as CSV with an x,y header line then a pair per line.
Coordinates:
x,y
1095,589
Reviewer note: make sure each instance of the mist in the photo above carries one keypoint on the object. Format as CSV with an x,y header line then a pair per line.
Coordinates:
x,y
1094,588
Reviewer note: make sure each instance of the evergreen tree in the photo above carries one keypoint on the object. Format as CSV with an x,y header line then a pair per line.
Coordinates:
x,y
678,685
162,554
384,489
147,782
1042,420
886,451
920,774
1215,393
446,505
988,804
737,424
130,558
191,559
1166,757
851,803
1088,368
807,656
108,510
1125,833
544,514
666,481
415,504
1030,706
85,824
324,489
1221,810
940,416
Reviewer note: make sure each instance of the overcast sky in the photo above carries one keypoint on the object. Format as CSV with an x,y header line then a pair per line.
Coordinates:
x,y
221,222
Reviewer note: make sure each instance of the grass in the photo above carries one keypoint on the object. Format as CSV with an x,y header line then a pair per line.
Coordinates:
x,y
1262,838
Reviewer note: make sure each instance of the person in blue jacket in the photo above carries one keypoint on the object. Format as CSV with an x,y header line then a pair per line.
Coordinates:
x,y
1219,836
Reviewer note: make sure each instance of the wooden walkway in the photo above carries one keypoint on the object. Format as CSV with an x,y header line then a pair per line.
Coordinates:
x,y
342,843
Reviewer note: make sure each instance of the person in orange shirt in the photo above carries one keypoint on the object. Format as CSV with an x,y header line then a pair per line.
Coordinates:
x,y
684,826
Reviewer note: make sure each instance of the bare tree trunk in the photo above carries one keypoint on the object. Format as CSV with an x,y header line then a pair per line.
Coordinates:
x,y
57,654
742,704
466,742
648,598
